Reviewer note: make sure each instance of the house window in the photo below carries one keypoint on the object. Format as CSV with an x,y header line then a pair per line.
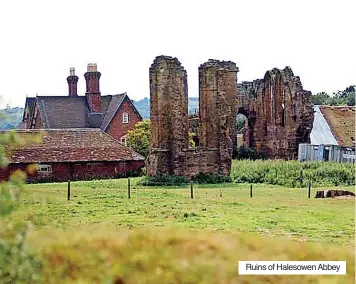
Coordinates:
x,y
125,117
123,140
45,169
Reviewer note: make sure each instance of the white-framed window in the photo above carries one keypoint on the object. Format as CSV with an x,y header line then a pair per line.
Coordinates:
x,y
44,169
123,140
125,117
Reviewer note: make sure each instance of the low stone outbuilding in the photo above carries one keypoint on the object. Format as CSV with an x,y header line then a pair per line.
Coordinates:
x,y
72,154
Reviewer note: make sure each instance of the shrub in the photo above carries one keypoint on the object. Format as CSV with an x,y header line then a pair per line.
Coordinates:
x,y
18,262
243,153
164,180
204,178
293,173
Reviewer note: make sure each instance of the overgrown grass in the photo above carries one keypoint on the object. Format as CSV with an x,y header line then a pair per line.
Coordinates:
x,y
289,173
107,255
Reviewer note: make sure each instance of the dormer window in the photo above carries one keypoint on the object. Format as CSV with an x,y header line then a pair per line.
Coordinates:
x,y
125,117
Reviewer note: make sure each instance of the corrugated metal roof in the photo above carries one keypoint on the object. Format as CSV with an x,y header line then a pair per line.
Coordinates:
x,y
321,133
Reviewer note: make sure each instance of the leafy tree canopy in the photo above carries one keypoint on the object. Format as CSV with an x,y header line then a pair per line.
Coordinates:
x,y
345,97
139,138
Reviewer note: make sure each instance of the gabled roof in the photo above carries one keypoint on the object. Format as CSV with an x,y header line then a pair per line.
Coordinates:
x,y
29,105
63,111
73,111
70,145
321,133
111,110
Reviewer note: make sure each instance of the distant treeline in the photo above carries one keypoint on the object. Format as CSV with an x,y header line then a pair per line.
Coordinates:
x,y
345,97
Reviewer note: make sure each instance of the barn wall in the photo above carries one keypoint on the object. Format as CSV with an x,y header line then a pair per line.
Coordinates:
x,y
80,171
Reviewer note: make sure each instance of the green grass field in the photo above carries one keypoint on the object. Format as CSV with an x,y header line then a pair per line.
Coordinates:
x,y
161,235
274,211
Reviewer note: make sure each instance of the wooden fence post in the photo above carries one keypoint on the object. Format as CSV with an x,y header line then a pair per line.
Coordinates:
x,y
301,178
68,191
191,190
128,188
251,190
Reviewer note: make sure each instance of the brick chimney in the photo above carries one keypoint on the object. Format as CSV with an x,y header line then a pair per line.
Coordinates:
x,y
72,80
92,77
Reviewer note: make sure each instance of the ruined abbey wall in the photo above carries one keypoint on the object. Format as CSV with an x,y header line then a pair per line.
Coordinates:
x,y
279,112
169,115
217,101
169,151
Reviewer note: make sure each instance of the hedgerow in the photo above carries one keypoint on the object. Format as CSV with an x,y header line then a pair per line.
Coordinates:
x,y
293,173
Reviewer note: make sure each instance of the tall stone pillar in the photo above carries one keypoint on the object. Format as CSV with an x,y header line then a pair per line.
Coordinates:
x,y
218,110
169,116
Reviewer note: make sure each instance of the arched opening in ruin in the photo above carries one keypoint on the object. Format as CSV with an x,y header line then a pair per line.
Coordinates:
x,y
241,128
244,129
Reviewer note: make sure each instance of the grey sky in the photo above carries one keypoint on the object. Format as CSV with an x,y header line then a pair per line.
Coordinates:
x,y
41,40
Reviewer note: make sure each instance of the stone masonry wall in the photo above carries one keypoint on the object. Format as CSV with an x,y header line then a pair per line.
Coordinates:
x,y
279,112
169,116
169,151
217,101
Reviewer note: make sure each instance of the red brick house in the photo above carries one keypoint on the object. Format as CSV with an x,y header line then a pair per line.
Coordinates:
x,y
114,114
72,154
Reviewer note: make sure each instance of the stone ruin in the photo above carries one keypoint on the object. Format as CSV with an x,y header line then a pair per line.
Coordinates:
x,y
279,116
169,150
279,113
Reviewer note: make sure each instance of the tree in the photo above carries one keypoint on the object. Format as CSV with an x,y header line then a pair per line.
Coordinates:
x,y
321,99
10,191
139,138
346,97
339,98
18,262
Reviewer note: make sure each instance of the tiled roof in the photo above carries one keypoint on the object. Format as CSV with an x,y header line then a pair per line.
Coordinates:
x,y
70,145
341,120
111,110
63,111
73,112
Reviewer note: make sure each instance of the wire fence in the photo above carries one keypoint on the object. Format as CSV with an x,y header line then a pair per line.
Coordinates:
x,y
126,188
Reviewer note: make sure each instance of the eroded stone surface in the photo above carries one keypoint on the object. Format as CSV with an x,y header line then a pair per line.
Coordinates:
x,y
169,151
279,111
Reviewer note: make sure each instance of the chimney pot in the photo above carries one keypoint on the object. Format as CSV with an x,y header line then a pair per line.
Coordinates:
x,y
72,80
92,67
72,71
